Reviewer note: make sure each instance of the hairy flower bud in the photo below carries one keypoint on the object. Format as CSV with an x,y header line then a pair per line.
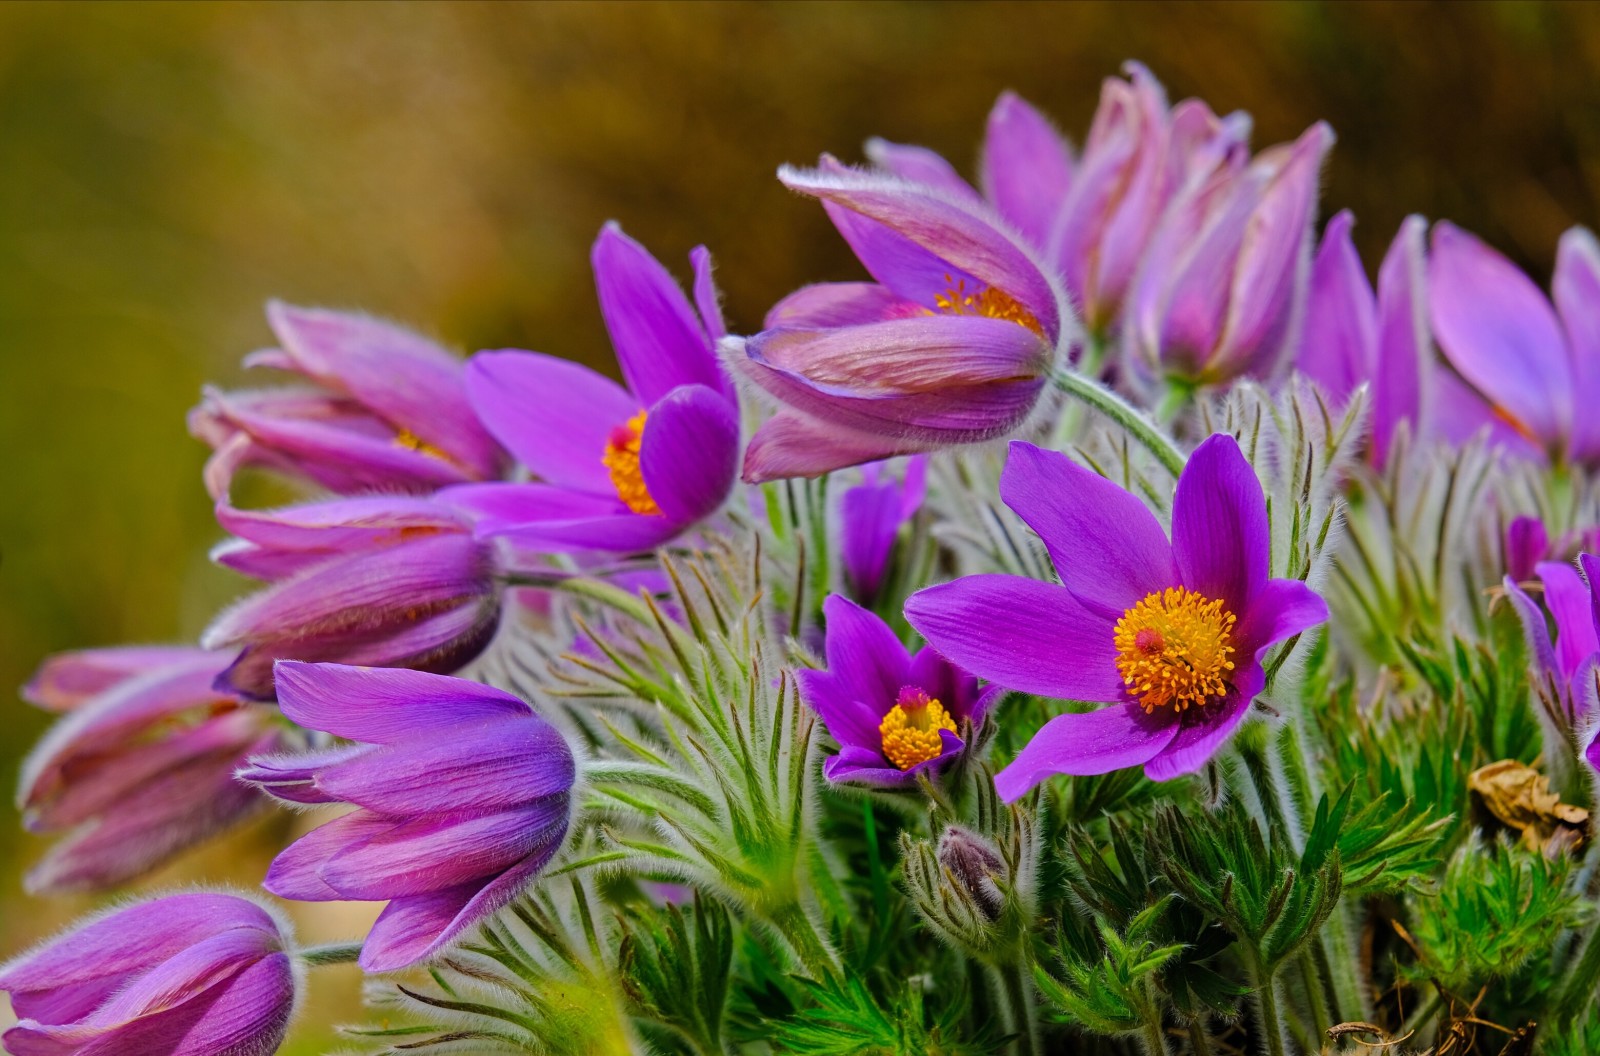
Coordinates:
x,y
974,864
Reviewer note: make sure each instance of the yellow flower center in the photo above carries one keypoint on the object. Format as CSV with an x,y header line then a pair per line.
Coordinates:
x,y
991,303
412,442
1175,647
621,459
911,729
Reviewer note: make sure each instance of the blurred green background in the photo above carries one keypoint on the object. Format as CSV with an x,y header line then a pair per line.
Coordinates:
x,y
166,168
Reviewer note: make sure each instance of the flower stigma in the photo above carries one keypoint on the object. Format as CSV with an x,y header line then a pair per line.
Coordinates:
x,y
621,459
990,303
911,729
1175,647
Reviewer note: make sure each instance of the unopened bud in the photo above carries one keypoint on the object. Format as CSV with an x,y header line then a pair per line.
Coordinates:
x,y
975,865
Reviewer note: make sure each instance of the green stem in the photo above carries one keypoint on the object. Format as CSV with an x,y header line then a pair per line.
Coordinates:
x,y
1177,396
1582,981
332,953
1016,997
804,938
1199,1043
1419,1018
1155,1039
1137,424
1311,978
606,594
1267,996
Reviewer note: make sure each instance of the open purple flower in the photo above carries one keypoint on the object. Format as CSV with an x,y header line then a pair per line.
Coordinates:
x,y
870,516
1570,664
1169,633
142,769
198,974
385,409
951,344
894,714
390,581
462,797
1536,365
620,469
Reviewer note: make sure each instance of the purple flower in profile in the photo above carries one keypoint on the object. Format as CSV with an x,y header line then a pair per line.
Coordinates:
x,y
384,409
462,796
620,469
197,974
951,344
1536,365
870,516
893,713
1171,634
390,581
1224,279
1569,666
141,768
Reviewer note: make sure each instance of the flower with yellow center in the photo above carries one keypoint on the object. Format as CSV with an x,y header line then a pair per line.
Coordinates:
x,y
911,729
989,303
621,459
1175,647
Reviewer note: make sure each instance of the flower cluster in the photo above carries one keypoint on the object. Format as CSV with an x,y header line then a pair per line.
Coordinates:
x,y
1119,586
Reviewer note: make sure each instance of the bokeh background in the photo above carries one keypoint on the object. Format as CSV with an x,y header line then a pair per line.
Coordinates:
x,y
166,168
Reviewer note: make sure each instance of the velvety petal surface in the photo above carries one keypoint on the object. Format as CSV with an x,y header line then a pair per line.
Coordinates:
x,y
1093,742
1026,167
1220,534
689,452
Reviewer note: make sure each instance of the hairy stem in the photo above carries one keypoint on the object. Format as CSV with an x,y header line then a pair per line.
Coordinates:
x,y
331,953
1199,1041
1582,980
1016,998
1135,422
806,940
1267,1000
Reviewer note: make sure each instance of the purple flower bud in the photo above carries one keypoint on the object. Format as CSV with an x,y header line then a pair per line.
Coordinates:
x,y
141,769
976,866
1568,664
385,581
386,409
462,797
871,514
1527,544
198,974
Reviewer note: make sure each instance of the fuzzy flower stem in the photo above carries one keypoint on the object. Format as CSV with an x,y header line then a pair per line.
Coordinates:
x,y
580,586
1134,422
1267,998
1199,1042
331,953
810,948
1582,981
1020,1014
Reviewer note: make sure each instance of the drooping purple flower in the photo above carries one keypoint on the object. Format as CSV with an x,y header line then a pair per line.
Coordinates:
x,y
1223,282
619,469
388,581
141,768
384,409
462,796
950,345
1171,634
870,516
1569,665
1536,365
197,974
893,713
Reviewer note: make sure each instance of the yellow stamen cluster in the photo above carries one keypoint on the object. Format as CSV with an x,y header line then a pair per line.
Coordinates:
x,y
621,459
991,303
412,442
1175,647
911,729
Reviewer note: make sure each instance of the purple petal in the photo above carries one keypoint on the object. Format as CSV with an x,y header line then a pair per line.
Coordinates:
x,y
1534,630
1571,602
1199,737
795,445
867,666
1106,545
273,544
1022,634
825,305
292,777
66,680
553,414
1026,167
869,520
381,706
706,300
1527,543
1341,328
296,873
1220,534
689,452
1094,742
1576,290
920,165
660,343
859,765
1405,348
1281,609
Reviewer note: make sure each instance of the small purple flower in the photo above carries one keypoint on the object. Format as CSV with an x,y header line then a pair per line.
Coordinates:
x,y
951,345
894,714
1170,633
870,515
1527,544
141,768
1223,282
620,469
462,796
198,974
389,581
1536,365
385,409
1569,665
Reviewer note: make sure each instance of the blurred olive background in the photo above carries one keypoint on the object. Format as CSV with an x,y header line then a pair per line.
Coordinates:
x,y
166,168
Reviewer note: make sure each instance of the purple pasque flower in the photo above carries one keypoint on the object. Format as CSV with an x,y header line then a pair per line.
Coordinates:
x,y
1170,634
196,974
870,516
462,795
67,680
384,408
1536,365
894,713
1222,285
1527,543
383,580
950,345
141,768
619,469
1570,664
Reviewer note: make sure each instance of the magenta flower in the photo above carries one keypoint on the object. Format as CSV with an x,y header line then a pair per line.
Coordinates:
x,y
1569,665
198,974
620,469
893,713
387,581
462,797
870,516
1224,278
1169,633
1527,543
951,345
141,768
1536,365
385,409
